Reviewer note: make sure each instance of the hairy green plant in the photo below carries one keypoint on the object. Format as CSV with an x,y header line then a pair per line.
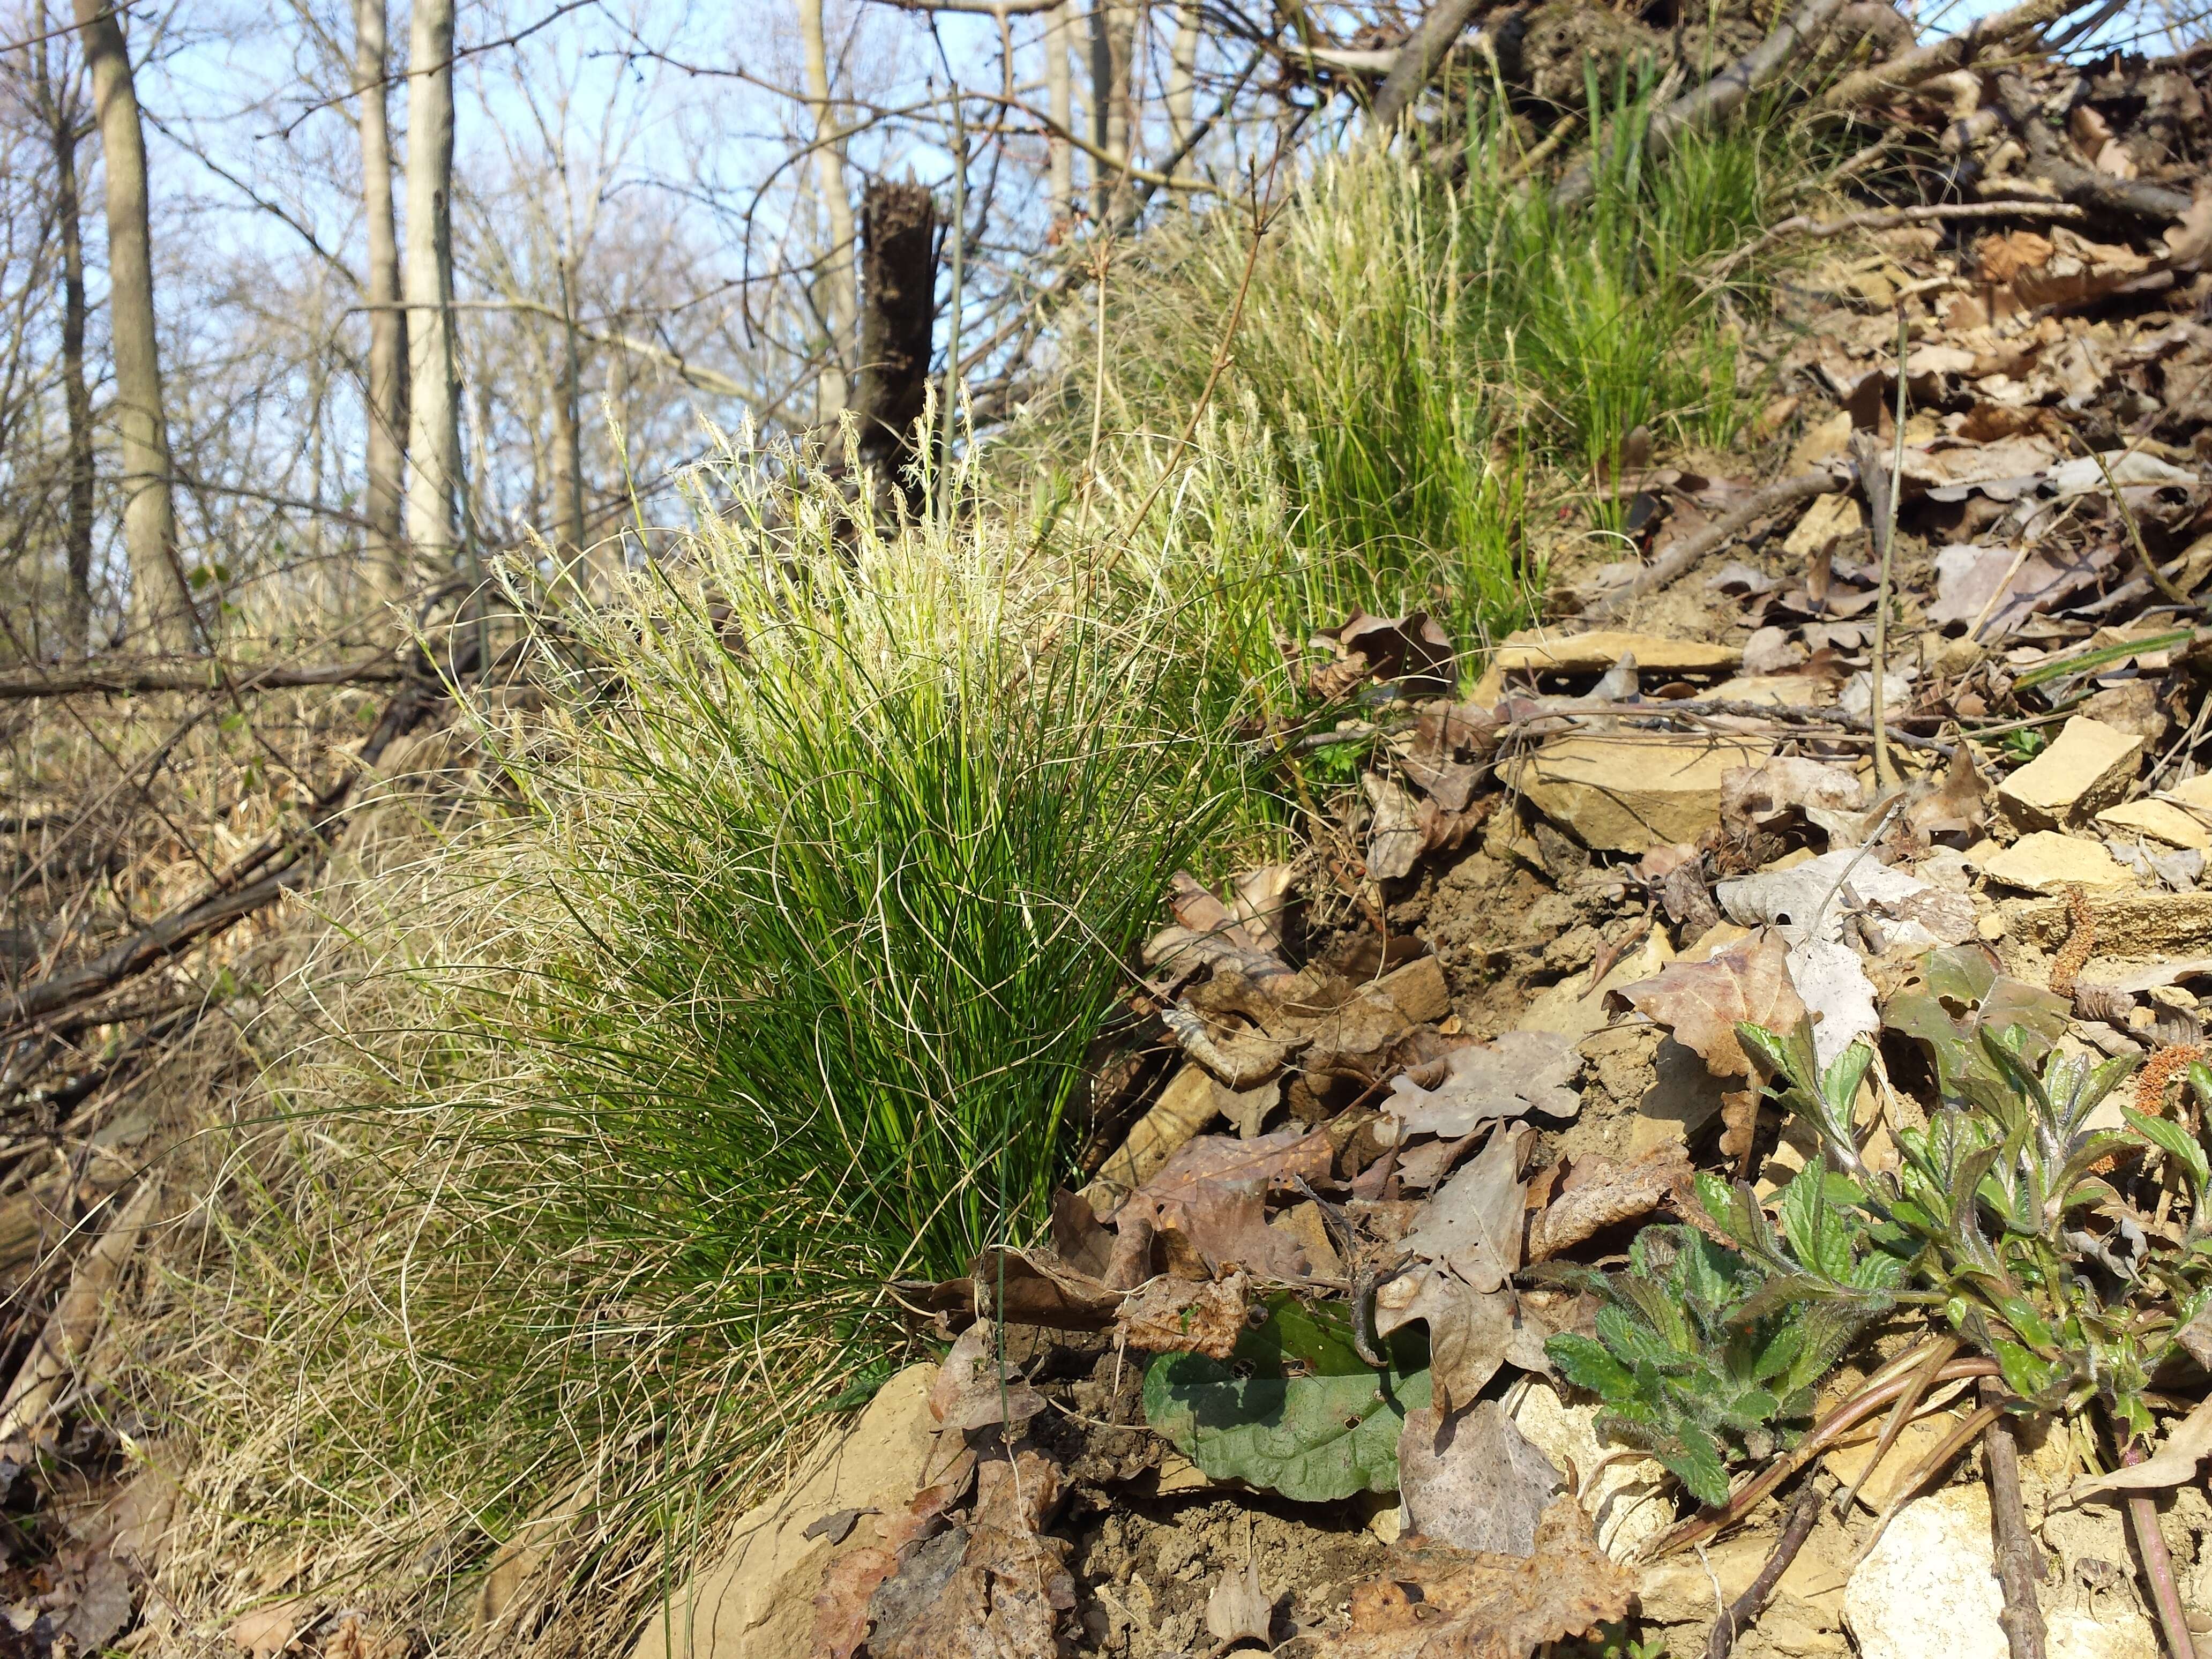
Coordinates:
x,y
1705,1355
2004,1209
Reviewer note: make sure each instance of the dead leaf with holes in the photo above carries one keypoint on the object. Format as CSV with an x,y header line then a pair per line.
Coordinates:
x,y
1701,1002
1470,1479
1181,1316
1437,1602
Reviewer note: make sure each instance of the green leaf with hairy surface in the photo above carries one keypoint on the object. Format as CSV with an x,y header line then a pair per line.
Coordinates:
x,y
1294,1409
2174,1140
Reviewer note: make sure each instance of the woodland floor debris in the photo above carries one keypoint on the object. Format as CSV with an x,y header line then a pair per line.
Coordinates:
x,y
1367,1334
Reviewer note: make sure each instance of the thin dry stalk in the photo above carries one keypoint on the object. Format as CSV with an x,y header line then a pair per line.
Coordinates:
x,y
2020,1562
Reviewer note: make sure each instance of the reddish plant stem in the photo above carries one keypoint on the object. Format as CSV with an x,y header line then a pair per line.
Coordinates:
x,y
1823,1435
2158,1564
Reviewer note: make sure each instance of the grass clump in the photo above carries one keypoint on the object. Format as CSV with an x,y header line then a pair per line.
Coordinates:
x,y
1416,358
813,866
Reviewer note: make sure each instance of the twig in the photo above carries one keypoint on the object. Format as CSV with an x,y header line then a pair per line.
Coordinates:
x,y
1747,1606
1804,224
2158,1564
224,902
1677,561
1884,521
1417,61
1870,86
205,674
2159,578
2019,1564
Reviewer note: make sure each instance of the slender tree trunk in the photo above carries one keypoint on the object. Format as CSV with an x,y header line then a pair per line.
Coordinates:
x,y
159,597
1182,74
1060,99
433,421
842,306
1113,40
76,396
567,427
387,320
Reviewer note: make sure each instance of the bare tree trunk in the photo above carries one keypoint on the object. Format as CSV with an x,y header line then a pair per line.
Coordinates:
x,y
568,434
60,110
1113,32
159,597
832,392
1183,75
387,321
433,423
899,231
1060,100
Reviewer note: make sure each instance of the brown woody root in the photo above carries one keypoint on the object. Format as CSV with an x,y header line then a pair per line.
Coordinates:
x,y
2020,1562
185,675
1678,561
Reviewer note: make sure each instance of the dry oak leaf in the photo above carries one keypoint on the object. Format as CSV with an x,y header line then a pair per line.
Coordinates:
x,y
1600,1194
975,1390
994,1589
841,1606
1701,1002
1178,1316
1437,1602
1209,1203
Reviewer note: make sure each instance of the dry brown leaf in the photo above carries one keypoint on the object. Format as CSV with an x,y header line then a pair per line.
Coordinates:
x,y
1239,1609
1411,649
1470,1336
1470,1479
976,1390
1600,1194
1178,1316
2004,256
1437,1602
841,1606
1474,1223
1957,807
1755,795
1393,830
1521,1072
1701,1002
994,1589
1209,1203
268,1631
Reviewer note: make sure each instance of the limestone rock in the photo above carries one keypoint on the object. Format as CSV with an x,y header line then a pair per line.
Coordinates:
x,y
1540,650
2146,925
2160,820
1574,1007
1829,517
2048,862
1920,1437
1627,1502
2086,770
1930,1585
757,1601
1629,792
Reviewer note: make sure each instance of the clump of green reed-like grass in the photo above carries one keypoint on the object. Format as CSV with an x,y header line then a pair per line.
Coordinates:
x,y
813,866
1413,353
